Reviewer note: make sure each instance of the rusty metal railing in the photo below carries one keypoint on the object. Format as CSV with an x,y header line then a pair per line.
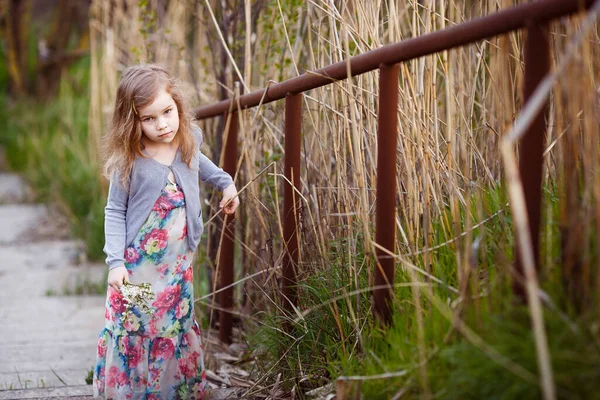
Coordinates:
x,y
534,16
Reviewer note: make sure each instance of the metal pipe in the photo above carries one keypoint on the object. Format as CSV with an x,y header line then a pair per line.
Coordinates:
x,y
531,146
385,230
458,35
226,253
291,199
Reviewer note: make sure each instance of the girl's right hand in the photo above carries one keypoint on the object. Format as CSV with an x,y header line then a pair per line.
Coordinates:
x,y
117,276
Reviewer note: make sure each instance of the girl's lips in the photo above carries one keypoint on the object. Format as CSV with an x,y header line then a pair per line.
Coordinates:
x,y
164,134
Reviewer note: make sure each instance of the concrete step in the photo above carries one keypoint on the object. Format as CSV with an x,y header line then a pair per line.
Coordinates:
x,y
46,268
14,190
47,254
44,378
66,392
49,330
42,356
45,334
18,219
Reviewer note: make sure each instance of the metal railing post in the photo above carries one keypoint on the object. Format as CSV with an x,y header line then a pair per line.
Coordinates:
x,y
226,253
531,147
291,199
387,142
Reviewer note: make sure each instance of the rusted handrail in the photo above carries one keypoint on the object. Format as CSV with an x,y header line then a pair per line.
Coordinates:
x,y
458,35
531,15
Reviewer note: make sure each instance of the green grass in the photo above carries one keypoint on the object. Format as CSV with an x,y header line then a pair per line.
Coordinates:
x,y
4,78
339,338
460,369
47,143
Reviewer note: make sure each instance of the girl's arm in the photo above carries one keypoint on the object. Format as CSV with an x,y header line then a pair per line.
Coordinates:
x,y
114,224
210,173
220,179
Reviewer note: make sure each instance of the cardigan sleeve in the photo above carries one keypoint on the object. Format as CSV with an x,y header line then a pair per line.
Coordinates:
x,y
207,171
115,233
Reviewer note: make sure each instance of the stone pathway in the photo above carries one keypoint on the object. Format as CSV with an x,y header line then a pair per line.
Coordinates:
x,y
47,339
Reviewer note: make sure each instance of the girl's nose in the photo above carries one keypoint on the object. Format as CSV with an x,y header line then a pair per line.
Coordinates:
x,y
161,123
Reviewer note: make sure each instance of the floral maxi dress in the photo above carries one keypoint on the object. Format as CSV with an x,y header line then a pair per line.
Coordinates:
x,y
157,356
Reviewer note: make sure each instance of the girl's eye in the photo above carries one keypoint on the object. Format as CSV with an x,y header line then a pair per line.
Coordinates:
x,y
147,119
168,111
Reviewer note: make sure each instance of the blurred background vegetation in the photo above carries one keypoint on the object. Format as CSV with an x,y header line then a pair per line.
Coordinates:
x,y
458,331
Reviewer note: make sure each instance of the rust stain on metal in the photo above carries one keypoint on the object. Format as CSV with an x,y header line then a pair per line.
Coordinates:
x,y
227,246
291,200
531,147
387,142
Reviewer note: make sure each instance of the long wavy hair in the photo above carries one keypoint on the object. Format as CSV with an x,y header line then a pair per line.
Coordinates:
x,y
138,88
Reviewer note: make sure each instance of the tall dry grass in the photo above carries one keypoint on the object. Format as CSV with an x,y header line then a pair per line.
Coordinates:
x,y
454,109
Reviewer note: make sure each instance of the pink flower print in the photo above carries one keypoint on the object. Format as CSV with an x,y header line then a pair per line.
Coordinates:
x,y
131,255
198,390
162,269
140,384
184,234
131,323
100,382
167,299
117,301
116,378
187,367
154,374
152,326
162,206
183,308
162,348
101,378
108,315
176,195
101,347
155,241
188,275
153,396
196,329
134,355
178,264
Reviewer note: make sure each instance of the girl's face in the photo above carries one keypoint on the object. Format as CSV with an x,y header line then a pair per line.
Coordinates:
x,y
160,119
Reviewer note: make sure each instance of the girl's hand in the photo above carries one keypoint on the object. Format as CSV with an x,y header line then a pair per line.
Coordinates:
x,y
117,276
229,193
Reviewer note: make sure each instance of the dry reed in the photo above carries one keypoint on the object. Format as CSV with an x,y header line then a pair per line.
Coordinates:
x,y
454,109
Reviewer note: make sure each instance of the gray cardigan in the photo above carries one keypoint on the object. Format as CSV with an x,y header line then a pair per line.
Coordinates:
x,y
127,210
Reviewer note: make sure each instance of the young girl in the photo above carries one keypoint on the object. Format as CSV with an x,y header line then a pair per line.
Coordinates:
x,y
153,222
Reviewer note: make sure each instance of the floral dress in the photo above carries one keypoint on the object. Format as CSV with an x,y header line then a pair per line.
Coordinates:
x,y
157,356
